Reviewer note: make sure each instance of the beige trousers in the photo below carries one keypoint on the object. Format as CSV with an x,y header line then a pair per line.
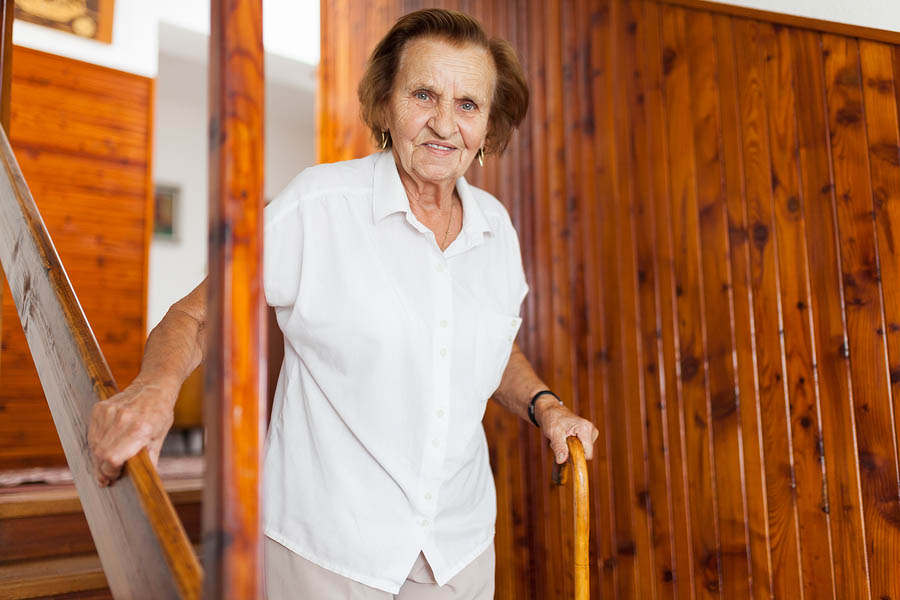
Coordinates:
x,y
290,576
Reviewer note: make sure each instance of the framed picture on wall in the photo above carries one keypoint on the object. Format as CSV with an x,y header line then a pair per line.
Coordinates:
x,y
165,212
92,19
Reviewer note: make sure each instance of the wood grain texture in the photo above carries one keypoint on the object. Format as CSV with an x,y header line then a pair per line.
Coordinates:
x,y
7,15
707,203
837,445
789,242
82,136
42,522
138,540
862,282
235,402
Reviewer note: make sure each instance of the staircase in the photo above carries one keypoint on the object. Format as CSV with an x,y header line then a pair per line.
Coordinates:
x,y
48,551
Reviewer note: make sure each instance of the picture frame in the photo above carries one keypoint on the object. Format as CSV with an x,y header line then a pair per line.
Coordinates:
x,y
166,201
91,19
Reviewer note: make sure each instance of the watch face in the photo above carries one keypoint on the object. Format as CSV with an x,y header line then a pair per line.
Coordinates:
x,y
85,18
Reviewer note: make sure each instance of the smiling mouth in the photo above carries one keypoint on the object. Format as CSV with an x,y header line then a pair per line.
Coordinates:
x,y
439,147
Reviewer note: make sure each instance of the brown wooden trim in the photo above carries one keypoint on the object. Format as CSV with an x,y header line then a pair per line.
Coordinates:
x,y
41,500
24,49
75,375
150,204
8,16
105,22
51,578
8,10
868,33
235,365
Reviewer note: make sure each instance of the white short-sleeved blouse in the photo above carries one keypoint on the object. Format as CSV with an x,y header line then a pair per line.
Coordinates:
x,y
376,449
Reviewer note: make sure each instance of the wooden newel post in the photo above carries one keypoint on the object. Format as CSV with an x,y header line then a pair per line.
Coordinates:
x,y
235,372
7,13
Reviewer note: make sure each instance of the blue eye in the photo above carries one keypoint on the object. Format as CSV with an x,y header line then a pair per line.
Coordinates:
x,y
422,95
468,106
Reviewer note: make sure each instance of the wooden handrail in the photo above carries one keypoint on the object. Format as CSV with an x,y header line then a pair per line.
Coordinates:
x,y
580,495
142,545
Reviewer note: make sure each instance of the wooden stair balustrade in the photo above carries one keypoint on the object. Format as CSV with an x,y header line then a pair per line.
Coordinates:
x,y
581,498
141,543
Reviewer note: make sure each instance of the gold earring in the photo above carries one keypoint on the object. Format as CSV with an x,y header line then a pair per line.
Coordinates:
x,y
384,140
481,156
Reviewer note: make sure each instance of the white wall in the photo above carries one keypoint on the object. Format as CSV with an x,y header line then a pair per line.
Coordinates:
x,y
290,30
180,158
878,14
134,41
290,27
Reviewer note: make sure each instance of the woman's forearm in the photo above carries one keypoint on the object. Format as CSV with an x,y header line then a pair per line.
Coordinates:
x,y
519,385
140,415
177,345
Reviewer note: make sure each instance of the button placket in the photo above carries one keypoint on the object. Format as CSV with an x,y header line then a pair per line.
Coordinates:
x,y
437,426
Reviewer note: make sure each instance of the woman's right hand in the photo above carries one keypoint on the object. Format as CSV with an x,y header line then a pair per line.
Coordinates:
x,y
121,426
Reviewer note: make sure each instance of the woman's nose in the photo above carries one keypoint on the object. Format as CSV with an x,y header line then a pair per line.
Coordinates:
x,y
442,122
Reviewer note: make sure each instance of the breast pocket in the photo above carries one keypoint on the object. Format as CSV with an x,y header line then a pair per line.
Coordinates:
x,y
494,341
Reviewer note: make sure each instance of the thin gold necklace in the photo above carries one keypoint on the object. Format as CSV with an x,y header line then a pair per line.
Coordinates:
x,y
449,222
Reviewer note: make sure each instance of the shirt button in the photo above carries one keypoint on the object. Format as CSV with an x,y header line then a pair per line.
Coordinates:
x,y
511,338
423,522
513,323
435,443
443,352
439,267
440,413
428,496
444,323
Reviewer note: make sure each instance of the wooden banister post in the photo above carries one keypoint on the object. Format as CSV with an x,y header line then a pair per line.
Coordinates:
x,y
9,10
6,22
236,367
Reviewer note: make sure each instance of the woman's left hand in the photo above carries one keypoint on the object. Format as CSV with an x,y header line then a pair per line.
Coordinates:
x,y
558,423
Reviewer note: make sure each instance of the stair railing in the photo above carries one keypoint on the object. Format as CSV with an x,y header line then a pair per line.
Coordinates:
x,y
141,543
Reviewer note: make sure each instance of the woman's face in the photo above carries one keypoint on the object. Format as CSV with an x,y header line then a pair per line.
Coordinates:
x,y
439,106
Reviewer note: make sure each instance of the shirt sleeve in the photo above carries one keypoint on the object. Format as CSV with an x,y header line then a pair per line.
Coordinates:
x,y
283,249
518,285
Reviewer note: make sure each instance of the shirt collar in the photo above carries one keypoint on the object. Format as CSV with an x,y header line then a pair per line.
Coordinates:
x,y
389,196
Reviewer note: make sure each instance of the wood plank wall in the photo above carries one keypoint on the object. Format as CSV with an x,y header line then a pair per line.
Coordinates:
x,y
709,210
82,135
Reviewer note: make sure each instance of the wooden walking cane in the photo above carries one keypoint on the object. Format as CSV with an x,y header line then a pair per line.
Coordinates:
x,y
582,512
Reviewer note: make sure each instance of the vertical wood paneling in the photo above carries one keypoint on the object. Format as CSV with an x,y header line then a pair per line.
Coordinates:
x,y
865,323
879,96
716,276
790,244
837,448
679,56
707,206
772,402
604,519
682,570
653,497
742,335
633,542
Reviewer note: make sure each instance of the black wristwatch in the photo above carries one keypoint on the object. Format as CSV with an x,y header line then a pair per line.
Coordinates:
x,y
534,399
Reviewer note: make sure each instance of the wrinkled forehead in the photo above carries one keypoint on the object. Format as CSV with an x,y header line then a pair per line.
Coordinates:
x,y
445,67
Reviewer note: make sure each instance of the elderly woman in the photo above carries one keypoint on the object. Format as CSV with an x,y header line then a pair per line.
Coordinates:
x,y
398,287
